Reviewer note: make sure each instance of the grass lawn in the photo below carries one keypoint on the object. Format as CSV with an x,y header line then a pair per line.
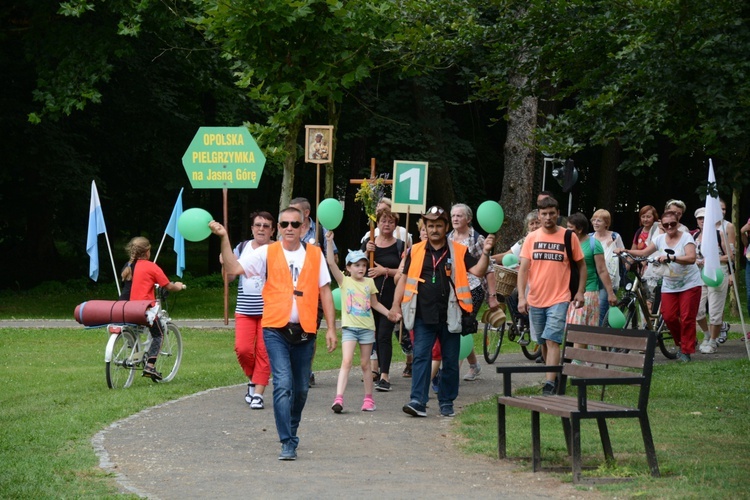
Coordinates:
x,y
55,398
700,418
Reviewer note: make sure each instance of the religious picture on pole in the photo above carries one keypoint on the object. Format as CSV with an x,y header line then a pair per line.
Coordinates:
x,y
318,143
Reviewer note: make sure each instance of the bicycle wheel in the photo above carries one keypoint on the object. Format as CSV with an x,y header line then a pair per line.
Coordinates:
x,y
532,351
493,340
170,354
666,343
121,369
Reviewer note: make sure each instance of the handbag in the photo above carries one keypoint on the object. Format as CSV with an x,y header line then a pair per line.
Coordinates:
x,y
294,334
469,323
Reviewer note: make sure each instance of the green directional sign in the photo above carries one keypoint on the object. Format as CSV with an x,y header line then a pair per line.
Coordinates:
x,y
223,157
409,186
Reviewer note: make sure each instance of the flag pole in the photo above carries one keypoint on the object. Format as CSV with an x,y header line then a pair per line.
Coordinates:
x,y
164,237
732,273
112,260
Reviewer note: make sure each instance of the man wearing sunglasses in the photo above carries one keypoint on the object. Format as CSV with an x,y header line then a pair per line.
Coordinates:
x,y
433,293
296,277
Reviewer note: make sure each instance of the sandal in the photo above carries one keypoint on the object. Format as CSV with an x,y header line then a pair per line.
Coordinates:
x,y
407,371
150,371
375,376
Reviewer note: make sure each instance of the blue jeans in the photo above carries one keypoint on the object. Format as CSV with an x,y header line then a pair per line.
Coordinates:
x,y
549,322
290,366
450,345
604,304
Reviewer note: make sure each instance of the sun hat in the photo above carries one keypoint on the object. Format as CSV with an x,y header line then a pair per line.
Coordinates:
x,y
355,256
435,212
494,318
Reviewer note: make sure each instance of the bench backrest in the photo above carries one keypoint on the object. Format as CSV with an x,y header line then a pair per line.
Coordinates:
x,y
612,353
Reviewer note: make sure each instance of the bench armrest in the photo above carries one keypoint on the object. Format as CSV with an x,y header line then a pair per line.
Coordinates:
x,y
584,383
507,371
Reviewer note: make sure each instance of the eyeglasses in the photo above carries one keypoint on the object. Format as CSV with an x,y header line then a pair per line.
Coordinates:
x,y
264,226
285,223
669,225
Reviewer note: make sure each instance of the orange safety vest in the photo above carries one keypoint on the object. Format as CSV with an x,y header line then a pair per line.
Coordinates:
x,y
279,290
458,275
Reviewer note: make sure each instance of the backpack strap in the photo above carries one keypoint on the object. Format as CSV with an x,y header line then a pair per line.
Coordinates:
x,y
568,248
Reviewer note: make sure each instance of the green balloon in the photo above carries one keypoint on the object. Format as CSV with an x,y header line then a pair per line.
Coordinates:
x,y
336,292
193,224
467,344
330,213
713,283
510,260
616,318
490,216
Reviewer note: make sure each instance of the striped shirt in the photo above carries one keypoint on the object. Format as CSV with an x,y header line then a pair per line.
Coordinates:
x,y
249,290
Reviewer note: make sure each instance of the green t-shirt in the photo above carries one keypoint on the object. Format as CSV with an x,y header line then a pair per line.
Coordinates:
x,y
592,276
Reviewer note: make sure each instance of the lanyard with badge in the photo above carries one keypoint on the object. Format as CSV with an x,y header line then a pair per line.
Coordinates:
x,y
438,261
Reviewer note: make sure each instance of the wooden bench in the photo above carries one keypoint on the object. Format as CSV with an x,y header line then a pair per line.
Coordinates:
x,y
587,367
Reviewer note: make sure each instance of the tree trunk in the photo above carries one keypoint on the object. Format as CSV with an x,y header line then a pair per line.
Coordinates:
x,y
290,161
518,178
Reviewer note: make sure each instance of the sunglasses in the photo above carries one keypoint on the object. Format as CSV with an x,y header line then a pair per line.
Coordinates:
x,y
669,225
264,226
285,223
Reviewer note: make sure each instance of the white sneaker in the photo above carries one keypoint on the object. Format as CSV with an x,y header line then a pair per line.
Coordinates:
x,y
704,344
257,403
710,348
473,373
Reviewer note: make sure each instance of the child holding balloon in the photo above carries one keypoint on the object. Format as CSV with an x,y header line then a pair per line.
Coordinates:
x,y
358,299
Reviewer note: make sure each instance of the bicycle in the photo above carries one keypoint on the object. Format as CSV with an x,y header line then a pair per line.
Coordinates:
x,y
518,327
128,344
634,306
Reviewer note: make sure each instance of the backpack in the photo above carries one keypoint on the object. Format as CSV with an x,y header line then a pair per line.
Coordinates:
x,y
574,274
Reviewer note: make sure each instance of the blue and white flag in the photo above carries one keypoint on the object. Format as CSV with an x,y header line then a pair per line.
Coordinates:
x,y
173,231
96,227
713,215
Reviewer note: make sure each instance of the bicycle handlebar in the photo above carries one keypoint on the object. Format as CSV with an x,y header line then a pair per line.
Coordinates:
x,y
627,255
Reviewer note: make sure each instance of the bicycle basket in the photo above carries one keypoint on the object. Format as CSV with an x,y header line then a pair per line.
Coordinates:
x,y
506,280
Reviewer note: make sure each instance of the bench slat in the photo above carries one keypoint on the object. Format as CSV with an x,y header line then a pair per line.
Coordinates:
x,y
607,340
561,406
583,371
613,359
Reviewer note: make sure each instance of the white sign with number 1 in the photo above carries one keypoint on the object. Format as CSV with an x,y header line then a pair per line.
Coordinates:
x,y
409,186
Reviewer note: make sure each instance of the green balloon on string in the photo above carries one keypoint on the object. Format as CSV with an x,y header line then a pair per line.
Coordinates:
x,y
510,260
616,318
330,213
193,224
467,344
490,216
336,298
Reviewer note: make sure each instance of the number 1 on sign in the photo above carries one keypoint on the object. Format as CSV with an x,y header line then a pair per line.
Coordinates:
x,y
411,175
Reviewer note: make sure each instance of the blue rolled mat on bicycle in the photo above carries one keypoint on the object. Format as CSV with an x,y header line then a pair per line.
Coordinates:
x,y
104,312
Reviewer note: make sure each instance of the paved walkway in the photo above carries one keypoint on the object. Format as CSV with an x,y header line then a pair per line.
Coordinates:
x,y
212,445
